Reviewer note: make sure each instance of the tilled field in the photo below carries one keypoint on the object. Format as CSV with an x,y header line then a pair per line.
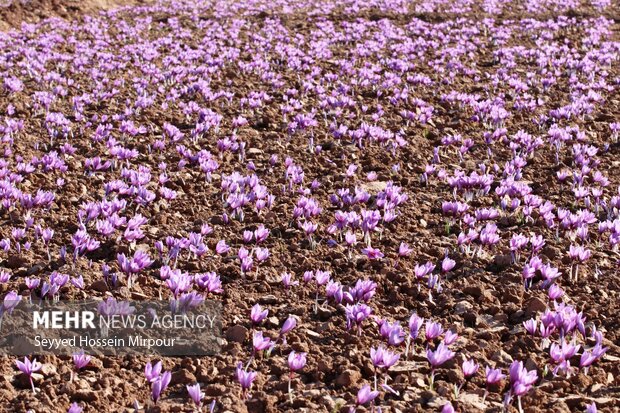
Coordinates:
x,y
430,190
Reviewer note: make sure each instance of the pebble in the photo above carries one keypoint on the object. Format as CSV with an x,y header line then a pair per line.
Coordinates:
x,y
214,390
535,305
348,378
85,396
182,376
237,333
463,307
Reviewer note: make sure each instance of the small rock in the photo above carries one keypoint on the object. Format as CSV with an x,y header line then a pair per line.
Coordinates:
x,y
324,313
312,334
323,327
604,401
463,307
474,290
100,286
323,366
86,396
182,376
374,186
214,390
535,305
502,357
254,151
596,387
268,299
35,269
348,378
124,292
237,333
502,261
15,261
473,400
48,370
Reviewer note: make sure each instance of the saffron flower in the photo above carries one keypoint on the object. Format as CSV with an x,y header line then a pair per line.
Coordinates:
x,y
296,361
436,358
152,372
365,395
159,385
28,368
195,394
469,367
372,253
75,408
432,330
259,342
439,356
257,314
80,360
245,379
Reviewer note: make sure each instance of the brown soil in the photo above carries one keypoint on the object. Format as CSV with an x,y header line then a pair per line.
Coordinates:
x,y
483,300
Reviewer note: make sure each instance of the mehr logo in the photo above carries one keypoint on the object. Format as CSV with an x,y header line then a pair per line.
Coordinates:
x,y
63,319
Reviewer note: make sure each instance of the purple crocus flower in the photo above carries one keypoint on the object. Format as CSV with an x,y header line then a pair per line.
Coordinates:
x,y
11,300
415,323
365,395
432,330
530,326
438,357
159,385
447,265
334,291
450,337
259,342
589,357
350,238
152,372
393,332
28,368
78,282
322,277
75,408
555,292
32,283
447,408
262,254
373,253
5,276
404,250
521,379
296,361
195,394
289,324
248,236
257,314
308,276
222,248
356,314
261,234
81,360
287,280
383,358
209,281
493,375
245,378
470,367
